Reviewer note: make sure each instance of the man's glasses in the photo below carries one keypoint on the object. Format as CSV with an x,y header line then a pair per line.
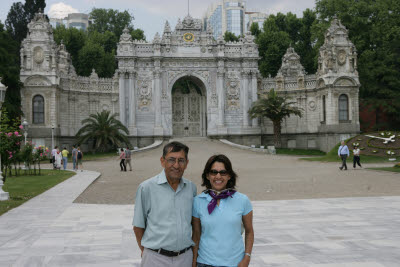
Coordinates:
x,y
215,172
172,161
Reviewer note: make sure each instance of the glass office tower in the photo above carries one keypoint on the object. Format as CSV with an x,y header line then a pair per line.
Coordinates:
x,y
226,15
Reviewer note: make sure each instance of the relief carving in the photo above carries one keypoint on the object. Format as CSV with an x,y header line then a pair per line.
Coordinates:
x,y
233,91
144,91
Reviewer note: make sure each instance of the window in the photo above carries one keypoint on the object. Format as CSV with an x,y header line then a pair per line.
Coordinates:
x,y
38,109
343,108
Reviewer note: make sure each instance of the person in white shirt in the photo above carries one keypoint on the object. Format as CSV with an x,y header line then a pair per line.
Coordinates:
x,y
53,156
356,156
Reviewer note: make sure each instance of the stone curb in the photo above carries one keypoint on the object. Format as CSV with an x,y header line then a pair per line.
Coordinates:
x,y
254,149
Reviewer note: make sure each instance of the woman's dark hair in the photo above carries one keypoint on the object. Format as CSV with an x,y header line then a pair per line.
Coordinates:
x,y
122,149
228,166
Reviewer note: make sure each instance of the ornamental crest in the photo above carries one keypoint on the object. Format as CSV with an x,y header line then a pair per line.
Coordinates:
x,y
233,91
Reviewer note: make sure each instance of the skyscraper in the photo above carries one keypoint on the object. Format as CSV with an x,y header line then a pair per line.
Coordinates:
x,y
226,15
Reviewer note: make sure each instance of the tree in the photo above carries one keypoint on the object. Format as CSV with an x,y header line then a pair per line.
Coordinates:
x,y
104,129
20,15
110,20
138,34
73,40
276,108
255,29
9,72
374,28
230,37
272,45
279,31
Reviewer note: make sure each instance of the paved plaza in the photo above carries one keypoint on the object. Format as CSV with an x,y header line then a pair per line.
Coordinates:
x,y
86,220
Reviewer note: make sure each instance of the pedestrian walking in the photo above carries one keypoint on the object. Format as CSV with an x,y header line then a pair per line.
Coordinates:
x,y
163,212
74,157
356,157
128,157
65,153
343,153
79,157
58,159
122,162
53,156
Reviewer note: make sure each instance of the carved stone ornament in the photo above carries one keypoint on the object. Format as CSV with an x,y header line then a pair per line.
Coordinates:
x,y
38,55
312,105
37,81
342,57
344,82
144,86
291,66
233,91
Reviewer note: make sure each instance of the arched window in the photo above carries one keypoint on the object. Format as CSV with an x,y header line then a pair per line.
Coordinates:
x,y
343,108
38,109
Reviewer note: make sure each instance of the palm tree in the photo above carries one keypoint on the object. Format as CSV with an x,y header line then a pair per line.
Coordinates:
x,y
276,108
104,129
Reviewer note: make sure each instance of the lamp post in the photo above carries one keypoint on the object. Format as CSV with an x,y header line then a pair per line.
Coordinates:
x,y
25,125
52,137
3,195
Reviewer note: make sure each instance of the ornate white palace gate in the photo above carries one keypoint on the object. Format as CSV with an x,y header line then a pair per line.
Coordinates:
x,y
226,74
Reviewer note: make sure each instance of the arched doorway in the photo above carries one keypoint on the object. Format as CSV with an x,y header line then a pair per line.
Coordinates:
x,y
189,116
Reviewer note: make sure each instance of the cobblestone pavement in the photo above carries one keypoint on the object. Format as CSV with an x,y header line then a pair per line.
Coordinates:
x,y
261,176
51,230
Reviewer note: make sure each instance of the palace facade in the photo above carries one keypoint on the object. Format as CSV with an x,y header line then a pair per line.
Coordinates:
x,y
226,78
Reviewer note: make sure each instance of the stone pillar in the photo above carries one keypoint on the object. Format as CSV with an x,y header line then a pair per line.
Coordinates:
x,y
245,100
330,108
158,129
254,94
132,104
122,98
221,98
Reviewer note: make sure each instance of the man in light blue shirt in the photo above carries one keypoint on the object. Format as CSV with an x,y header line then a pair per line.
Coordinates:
x,y
163,212
343,153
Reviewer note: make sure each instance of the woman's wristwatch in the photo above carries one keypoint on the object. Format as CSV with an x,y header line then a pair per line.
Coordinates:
x,y
248,254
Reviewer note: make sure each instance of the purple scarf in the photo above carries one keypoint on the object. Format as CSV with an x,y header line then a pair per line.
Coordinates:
x,y
224,194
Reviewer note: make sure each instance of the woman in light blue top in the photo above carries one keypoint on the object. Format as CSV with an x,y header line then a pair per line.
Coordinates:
x,y
218,214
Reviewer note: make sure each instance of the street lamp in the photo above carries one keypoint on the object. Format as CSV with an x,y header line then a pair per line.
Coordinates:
x,y
52,136
3,195
25,125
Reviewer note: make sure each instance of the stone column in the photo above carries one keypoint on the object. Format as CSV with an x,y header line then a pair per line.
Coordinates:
x,y
132,104
122,98
254,94
221,98
331,108
158,129
245,100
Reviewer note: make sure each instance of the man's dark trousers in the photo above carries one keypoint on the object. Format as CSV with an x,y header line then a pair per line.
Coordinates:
x,y
344,165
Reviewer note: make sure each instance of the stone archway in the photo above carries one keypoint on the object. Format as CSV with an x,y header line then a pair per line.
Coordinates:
x,y
189,108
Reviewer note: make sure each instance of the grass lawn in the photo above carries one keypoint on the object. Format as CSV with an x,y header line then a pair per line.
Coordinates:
x,y
24,187
305,152
88,156
389,169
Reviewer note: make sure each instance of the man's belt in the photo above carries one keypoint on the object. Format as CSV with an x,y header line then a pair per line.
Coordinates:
x,y
170,253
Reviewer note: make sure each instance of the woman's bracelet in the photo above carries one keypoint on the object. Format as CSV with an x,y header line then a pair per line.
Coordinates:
x,y
248,254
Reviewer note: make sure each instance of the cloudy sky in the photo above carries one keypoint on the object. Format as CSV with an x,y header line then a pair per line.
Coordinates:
x,y
150,15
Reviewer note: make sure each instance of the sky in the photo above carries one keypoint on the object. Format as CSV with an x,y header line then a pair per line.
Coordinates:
x,y
150,15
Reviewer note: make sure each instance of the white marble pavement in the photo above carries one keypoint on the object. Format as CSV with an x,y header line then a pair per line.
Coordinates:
x,y
50,230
